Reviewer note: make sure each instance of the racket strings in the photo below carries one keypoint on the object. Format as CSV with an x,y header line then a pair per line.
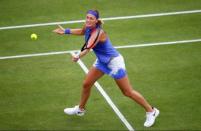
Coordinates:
x,y
84,47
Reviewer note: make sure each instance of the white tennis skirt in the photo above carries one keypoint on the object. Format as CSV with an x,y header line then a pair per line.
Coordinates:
x,y
115,68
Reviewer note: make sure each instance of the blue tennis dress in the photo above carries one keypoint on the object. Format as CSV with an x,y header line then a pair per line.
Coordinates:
x,y
109,60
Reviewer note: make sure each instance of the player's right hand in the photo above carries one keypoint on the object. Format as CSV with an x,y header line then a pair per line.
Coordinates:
x,y
59,31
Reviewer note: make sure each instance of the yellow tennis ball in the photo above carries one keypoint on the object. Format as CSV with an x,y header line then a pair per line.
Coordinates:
x,y
34,36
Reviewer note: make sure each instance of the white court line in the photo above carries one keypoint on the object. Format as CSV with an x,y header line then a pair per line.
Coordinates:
x,y
160,43
105,19
38,54
107,98
118,47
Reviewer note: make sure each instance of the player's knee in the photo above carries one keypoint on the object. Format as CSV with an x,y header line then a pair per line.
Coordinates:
x,y
87,84
127,93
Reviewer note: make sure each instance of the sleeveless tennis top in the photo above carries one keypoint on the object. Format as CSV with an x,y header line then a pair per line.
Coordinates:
x,y
104,51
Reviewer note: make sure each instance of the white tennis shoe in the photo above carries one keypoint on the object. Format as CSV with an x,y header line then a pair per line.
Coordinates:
x,y
74,111
151,117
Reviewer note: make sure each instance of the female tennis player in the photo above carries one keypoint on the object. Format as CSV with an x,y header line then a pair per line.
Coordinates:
x,y
109,61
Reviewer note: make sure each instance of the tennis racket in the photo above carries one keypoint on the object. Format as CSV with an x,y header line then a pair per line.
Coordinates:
x,y
84,47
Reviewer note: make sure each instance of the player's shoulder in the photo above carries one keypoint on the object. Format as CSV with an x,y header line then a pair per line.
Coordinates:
x,y
98,31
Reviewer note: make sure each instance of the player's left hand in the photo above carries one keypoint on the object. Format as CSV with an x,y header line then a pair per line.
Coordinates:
x,y
75,58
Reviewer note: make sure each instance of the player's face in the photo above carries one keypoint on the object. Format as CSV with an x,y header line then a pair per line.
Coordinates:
x,y
91,20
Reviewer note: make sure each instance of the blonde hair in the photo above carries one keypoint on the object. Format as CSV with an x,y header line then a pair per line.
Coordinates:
x,y
100,22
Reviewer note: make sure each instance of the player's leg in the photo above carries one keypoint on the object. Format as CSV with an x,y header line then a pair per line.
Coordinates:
x,y
93,75
127,90
118,72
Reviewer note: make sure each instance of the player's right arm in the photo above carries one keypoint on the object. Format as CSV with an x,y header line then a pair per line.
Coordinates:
x,y
77,31
60,30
